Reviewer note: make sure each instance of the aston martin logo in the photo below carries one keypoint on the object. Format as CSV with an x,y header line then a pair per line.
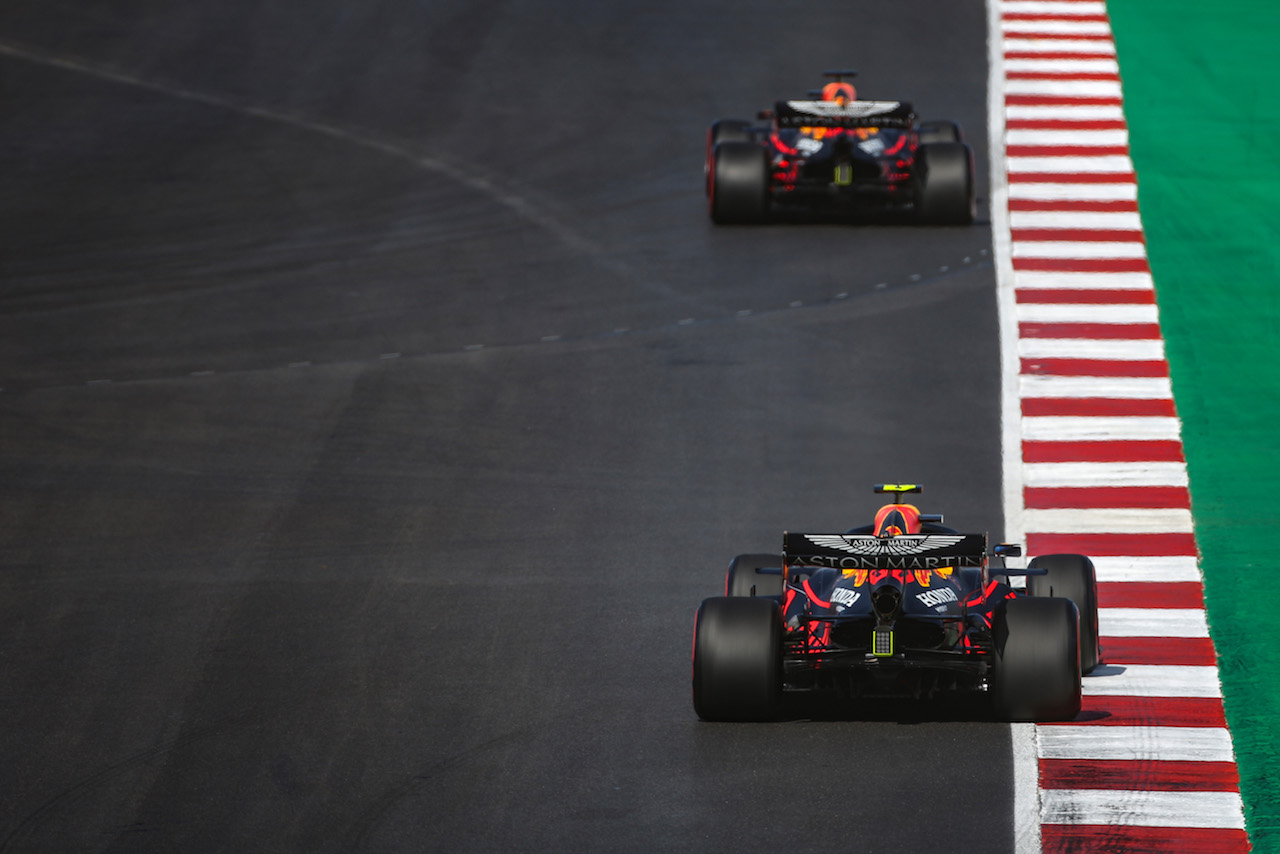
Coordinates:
x,y
854,109
904,544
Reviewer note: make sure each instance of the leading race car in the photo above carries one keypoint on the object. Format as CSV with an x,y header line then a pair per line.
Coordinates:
x,y
837,154
905,607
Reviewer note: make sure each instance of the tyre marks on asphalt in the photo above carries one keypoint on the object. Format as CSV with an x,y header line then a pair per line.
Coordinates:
x,y
1148,765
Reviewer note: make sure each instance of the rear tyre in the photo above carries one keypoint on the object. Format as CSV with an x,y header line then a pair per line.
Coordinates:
x,y
725,130
940,131
739,191
744,575
944,184
1072,577
1036,671
737,659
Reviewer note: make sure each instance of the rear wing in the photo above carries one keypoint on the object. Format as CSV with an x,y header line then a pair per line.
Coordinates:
x,y
865,551
856,114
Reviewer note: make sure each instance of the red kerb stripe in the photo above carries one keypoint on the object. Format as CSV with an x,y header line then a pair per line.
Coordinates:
x,y
1066,124
1106,497
1079,235
1090,206
1119,451
1081,838
1051,16
1113,545
1086,296
1154,407
1082,265
1095,368
1192,652
1072,178
1063,100
1145,594
1059,54
1139,775
1110,331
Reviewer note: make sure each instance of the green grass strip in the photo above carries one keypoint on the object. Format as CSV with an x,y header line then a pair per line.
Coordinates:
x,y
1202,96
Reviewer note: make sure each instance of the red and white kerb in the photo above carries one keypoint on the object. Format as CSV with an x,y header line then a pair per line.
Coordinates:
x,y
1093,452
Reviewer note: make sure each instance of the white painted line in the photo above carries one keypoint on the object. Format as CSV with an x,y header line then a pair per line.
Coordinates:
x,y
1130,743
1146,569
1074,192
1086,313
1152,623
1111,474
1056,27
1041,45
1103,220
1080,250
1122,349
1063,89
1073,165
1152,680
1083,139
1064,66
1221,810
1115,388
1058,428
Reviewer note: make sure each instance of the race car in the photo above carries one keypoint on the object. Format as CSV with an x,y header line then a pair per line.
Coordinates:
x,y
832,153
905,607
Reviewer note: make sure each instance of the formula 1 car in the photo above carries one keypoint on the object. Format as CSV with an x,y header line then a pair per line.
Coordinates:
x,y
903,608
836,154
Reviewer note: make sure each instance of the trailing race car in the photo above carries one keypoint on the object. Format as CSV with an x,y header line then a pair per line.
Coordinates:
x,y
902,608
837,154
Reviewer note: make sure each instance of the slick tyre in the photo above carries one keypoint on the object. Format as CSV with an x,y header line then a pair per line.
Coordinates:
x,y
744,577
944,193
1072,577
739,191
737,659
725,130
1036,674
940,131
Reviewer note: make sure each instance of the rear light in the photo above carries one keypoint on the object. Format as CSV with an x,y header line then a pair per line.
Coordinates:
x,y
882,641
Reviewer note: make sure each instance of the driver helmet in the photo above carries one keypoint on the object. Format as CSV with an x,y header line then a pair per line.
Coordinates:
x,y
895,519
842,93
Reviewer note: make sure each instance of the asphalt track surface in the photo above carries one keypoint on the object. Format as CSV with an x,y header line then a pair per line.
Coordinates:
x,y
379,403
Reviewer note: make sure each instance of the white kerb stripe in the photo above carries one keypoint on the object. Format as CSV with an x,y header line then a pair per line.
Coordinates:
x,y
1061,45
1118,388
1152,623
1142,808
1047,192
1086,313
1083,139
1101,220
1109,520
1130,743
1064,66
1056,27
1079,475
1080,250
1146,569
1070,113
1094,428
1105,163
1136,280
1065,88
1118,349
1151,680
1066,8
